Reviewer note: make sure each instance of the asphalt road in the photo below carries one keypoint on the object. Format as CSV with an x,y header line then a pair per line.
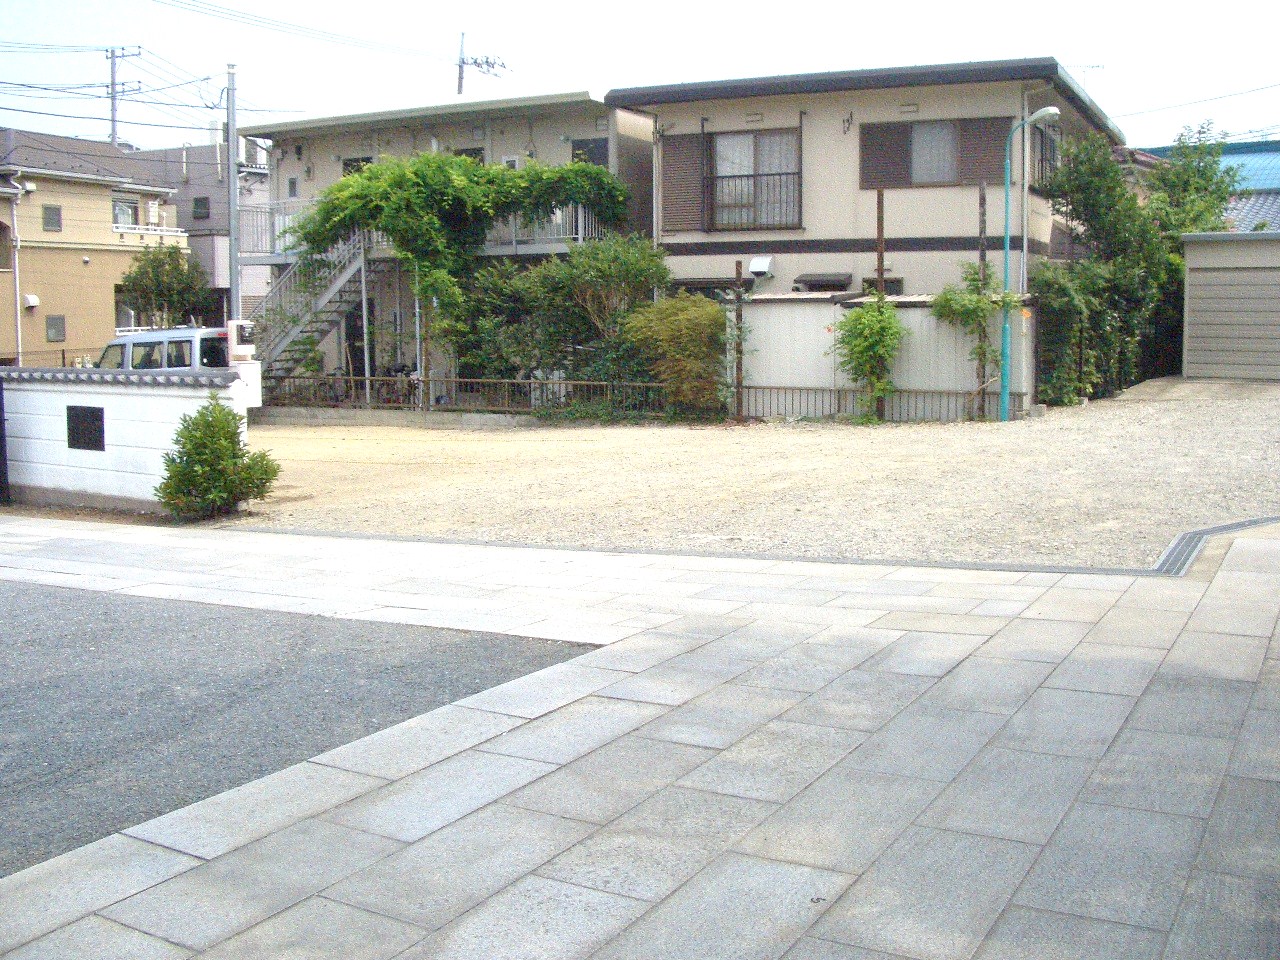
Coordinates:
x,y
115,709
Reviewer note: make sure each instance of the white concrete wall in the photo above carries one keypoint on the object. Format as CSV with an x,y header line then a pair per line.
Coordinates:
x,y
140,420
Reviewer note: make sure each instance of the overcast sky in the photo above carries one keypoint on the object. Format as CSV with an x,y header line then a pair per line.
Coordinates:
x,y
1141,67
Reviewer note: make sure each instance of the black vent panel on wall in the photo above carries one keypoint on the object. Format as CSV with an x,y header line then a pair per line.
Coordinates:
x,y
86,428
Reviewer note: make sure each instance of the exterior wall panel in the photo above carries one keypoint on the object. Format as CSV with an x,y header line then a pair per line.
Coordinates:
x,y
1232,320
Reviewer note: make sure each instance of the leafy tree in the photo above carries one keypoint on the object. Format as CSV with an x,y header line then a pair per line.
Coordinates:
x,y
971,306
1191,191
685,337
866,341
165,287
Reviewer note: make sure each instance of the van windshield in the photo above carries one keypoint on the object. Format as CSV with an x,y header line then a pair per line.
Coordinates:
x,y
213,352
112,358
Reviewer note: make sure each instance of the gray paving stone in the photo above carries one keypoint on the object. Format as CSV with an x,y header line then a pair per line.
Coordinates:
x,y
538,693
871,638
842,821
654,848
988,684
1138,627
610,781
998,592
776,762
934,895
1243,836
642,651
1163,593
902,588
860,700
400,750
1258,749
1216,655
1199,706
750,594
319,929
50,894
1045,641
1128,866
1010,794
761,908
707,625
212,827
679,679
976,625
95,938
571,923
1067,722
925,654
1227,918
924,741
449,872
575,729
806,667
761,640
221,898
897,603
1267,694
1165,772
1107,668
411,808
1024,934
722,717
1069,603
808,948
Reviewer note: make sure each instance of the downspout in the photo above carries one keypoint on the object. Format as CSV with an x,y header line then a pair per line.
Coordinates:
x,y
1026,174
17,283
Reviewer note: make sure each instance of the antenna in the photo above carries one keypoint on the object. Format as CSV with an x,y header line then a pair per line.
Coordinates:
x,y
489,66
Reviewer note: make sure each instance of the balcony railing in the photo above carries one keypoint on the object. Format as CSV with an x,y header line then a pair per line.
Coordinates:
x,y
148,229
762,201
264,228
570,224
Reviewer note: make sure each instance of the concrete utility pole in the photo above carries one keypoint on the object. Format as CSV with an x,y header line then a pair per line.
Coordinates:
x,y
233,214
489,66
114,54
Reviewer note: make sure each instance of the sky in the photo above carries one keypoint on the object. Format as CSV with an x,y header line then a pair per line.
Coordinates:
x,y
1153,74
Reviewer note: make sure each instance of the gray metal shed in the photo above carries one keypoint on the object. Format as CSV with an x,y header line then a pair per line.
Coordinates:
x,y
1232,310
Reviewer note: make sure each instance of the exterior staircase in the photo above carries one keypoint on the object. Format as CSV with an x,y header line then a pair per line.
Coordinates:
x,y
307,302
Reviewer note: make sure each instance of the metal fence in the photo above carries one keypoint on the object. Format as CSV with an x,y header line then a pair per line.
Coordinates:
x,y
902,406
62,357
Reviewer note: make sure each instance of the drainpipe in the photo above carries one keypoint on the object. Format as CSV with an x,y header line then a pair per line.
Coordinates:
x,y
17,282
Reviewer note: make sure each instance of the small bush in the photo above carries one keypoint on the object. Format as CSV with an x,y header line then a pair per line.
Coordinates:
x,y
210,472
866,341
685,336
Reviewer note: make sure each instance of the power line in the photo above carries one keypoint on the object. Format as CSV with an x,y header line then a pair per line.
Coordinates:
x,y
132,123
16,46
1192,103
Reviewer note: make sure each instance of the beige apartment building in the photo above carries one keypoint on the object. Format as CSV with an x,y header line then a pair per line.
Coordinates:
x,y
73,214
785,171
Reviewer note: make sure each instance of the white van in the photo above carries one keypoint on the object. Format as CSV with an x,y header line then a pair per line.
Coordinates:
x,y
177,348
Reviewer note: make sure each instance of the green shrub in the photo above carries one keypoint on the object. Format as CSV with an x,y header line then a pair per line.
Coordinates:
x,y
684,335
971,306
866,341
210,472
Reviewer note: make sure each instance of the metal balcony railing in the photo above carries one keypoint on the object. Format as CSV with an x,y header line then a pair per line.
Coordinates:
x,y
570,224
761,201
264,228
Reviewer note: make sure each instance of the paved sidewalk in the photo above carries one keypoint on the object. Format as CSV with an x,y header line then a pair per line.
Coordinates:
x,y
763,759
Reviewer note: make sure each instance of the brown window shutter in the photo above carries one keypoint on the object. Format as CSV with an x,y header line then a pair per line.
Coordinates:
x,y
683,186
980,149
885,155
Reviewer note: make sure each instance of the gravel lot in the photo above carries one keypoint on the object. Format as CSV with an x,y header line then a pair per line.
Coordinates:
x,y
1109,484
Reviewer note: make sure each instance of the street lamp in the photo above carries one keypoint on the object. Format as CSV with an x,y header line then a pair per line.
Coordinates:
x,y
1006,335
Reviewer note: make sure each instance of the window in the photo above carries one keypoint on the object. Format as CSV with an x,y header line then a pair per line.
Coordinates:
x,y
933,152
1044,153
355,164
755,180
213,352
55,328
199,208
178,353
293,188
51,216
112,358
124,213
146,356
475,153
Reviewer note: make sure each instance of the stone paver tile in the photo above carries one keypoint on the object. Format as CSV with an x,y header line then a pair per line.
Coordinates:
x,y
704,625
1258,749
934,895
1248,617
760,908
1258,556
221,898
873,639
739,578
1109,863
50,894
1165,772
572,922
569,629
95,938
842,821
1267,694
1045,641
723,716
1243,836
888,603
1163,593
1024,934
541,692
609,782
1020,592
1098,581
860,700
1199,706
809,948
320,929
761,640
1067,722
826,616
1107,668
642,651
411,808
678,607
1006,609
1071,603
902,588
400,750
776,762
1040,578
957,575
750,594
925,654
807,667
447,873
1216,655
980,627
1010,794
657,846
678,680
1138,627
1227,918
925,741
575,729
988,684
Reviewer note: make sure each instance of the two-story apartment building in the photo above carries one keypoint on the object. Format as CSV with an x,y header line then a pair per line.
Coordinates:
x,y
73,214
789,167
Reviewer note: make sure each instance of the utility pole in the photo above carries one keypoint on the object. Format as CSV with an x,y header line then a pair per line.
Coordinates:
x,y
489,66
114,54
233,216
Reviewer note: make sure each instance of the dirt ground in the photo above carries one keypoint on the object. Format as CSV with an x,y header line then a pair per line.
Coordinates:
x,y
1109,484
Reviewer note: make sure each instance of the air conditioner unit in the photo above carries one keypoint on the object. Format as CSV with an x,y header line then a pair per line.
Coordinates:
x,y
153,212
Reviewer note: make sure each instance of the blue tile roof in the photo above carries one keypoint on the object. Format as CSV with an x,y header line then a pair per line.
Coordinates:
x,y
1258,160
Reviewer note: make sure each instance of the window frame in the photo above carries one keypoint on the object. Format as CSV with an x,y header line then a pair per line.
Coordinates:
x,y
954,128
122,204
49,212
201,208
711,202
61,322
